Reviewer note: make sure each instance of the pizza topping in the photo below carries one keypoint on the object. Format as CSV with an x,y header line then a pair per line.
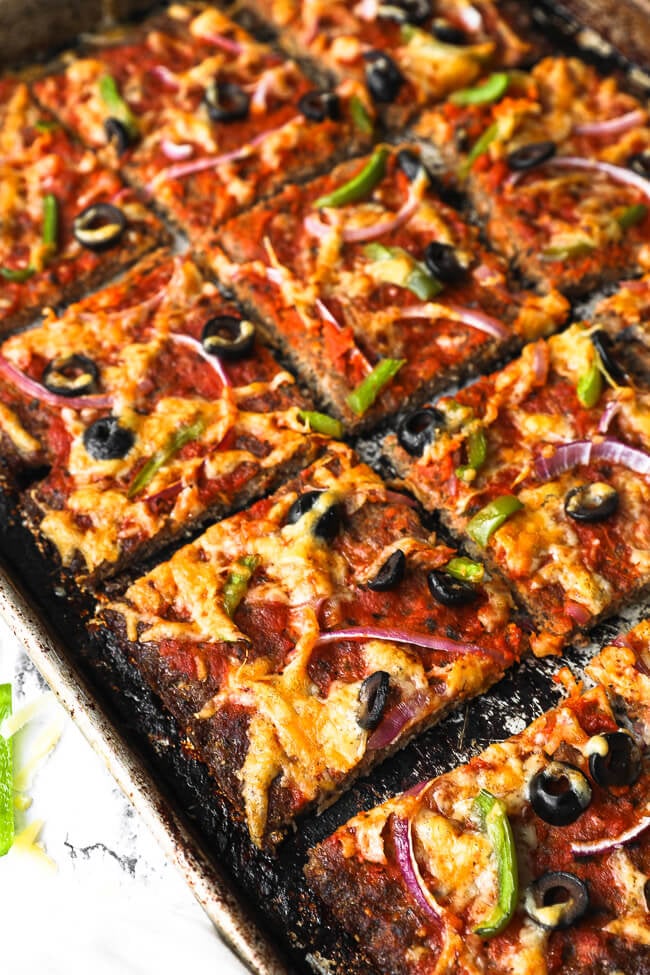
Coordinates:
x,y
640,163
614,759
373,695
442,261
236,584
580,453
476,446
99,226
320,105
443,644
117,135
228,337
616,173
106,439
328,518
486,521
226,101
418,429
533,154
490,90
632,215
364,395
361,120
36,390
178,440
465,569
480,147
390,574
360,185
559,793
394,265
322,423
557,899
213,360
450,590
410,164
49,241
612,126
603,345
446,32
403,841
403,11
494,820
606,845
590,386
121,117
383,78
591,502
73,375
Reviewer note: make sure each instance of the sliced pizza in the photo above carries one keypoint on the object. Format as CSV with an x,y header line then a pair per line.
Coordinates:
x,y
300,641
376,289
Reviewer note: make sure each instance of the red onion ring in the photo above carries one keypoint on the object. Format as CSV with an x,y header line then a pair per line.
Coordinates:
x,y
608,415
592,847
168,78
176,151
36,390
467,316
171,491
405,854
355,352
213,360
396,720
612,126
579,453
618,173
577,612
317,227
541,362
619,453
222,42
394,635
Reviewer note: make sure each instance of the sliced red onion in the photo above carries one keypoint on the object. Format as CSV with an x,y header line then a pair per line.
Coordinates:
x,y
316,226
467,316
612,126
609,413
618,173
578,613
355,352
168,78
396,497
395,635
176,150
354,235
405,854
213,360
224,43
396,720
564,458
619,453
36,390
593,847
541,362
418,788
171,491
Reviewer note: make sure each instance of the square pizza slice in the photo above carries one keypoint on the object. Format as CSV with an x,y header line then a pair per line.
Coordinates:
x,y
557,163
409,53
376,289
532,858
544,468
202,117
66,222
300,641
156,408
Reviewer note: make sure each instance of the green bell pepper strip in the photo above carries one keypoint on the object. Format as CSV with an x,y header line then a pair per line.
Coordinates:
x,y
6,776
491,90
481,145
116,105
486,521
322,423
565,252
465,569
412,274
632,215
46,125
494,820
360,118
175,443
590,386
364,395
360,185
17,275
50,222
476,455
237,581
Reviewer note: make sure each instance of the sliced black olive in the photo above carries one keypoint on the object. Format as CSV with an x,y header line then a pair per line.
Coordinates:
x,y
117,135
99,226
419,428
591,502
646,894
534,154
319,105
228,337
615,759
559,793
73,375
640,163
450,591
557,899
373,695
442,262
226,101
410,163
604,346
390,574
406,11
105,439
303,503
446,32
329,523
383,78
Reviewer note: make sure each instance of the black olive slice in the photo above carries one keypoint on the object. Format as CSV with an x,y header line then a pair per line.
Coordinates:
x,y
443,263
450,591
99,226
383,78
646,894
640,163
559,793
73,375
614,759
448,33
228,337
319,105
410,163
226,101
604,346
557,899
390,574
105,439
591,502
533,154
117,135
419,428
329,524
406,11
373,695
303,503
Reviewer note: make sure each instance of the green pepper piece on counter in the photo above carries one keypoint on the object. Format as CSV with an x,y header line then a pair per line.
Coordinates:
x,y
175,443
465,569
632,215
360,118
6,776
322,423
364,395
481,145
486,521
50,222
360,185
590,386
494,820
394,265
489,91
236,584
116,105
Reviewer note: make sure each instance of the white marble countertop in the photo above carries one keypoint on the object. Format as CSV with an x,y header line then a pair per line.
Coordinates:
x,y
110,903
